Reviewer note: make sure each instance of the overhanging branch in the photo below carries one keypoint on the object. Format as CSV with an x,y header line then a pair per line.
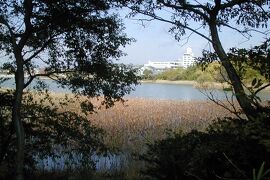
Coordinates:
x,y
172,22
195,8
39,50
261,88
49,74
4,22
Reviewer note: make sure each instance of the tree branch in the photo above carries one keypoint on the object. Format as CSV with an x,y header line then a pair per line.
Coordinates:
x,y
12,35
242,32
39,50
28,7
171,22
235,166
49,74
190,7
212,98
230,4
261,88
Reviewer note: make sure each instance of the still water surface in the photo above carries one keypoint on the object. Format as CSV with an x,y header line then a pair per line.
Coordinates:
x,y
155,91
172,92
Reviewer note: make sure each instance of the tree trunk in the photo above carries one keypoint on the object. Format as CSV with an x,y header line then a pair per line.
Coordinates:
x,y
16,116
241,96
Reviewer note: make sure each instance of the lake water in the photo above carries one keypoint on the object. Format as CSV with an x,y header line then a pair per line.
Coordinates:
x,y
172,92
156,91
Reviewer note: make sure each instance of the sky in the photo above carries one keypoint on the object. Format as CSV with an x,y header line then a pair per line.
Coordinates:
x,y
155,43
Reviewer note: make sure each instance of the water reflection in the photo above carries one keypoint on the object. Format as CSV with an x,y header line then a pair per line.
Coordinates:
x,y
62,162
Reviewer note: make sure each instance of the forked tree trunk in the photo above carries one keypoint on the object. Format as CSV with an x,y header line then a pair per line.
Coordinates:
x,y
240,94
16,117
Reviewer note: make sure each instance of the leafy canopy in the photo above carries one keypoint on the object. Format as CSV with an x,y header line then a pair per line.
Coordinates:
x,y
76,41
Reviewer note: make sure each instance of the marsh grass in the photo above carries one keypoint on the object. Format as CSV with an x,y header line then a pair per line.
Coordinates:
x,y
129,126
148,120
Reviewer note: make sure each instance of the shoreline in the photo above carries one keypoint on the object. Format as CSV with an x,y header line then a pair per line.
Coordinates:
x,y
13,76
169,82
195,84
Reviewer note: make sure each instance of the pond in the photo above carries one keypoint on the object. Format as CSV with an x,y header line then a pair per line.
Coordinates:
x,y
156,91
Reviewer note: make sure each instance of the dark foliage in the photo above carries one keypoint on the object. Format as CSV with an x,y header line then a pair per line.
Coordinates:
x,y
50,133
78,39
230,148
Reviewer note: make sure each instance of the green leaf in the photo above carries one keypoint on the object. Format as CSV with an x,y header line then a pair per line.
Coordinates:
x,y
227,89
260,173
254,174
259,83
254,81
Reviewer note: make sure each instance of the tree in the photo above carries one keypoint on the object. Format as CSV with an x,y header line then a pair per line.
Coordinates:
x,y
76,40
212,16
51,132
148,74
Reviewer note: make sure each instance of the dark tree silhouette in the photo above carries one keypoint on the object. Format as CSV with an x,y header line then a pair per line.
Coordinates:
x,y
76,40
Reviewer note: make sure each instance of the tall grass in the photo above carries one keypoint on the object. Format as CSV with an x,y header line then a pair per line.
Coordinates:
x,y
139,120
130,125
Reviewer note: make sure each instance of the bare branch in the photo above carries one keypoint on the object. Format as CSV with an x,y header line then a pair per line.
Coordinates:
x,y
38,51
187,38
28,69
49,75
4,22
28,6
261,88
193,175
171,22
142,20
224,78
230,4
242,32
235,166
233,108
190,7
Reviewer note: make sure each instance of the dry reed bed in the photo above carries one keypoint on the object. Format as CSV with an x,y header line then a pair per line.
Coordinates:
x,y
137,121
131,124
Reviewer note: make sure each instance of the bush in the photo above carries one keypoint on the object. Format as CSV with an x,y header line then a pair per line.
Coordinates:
x,y
148,74
171,74
51,133
230,148
213,72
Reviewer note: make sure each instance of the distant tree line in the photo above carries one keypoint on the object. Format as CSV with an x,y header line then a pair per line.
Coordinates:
x,y
214,72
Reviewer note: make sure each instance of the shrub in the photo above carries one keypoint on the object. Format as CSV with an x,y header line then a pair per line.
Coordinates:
x,y
230,148
51,133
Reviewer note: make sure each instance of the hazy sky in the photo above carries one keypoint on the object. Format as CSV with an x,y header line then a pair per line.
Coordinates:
x,y
155,43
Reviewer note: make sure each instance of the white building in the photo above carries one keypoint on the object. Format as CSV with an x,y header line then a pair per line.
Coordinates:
x,y
163,65
188,58
159,66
